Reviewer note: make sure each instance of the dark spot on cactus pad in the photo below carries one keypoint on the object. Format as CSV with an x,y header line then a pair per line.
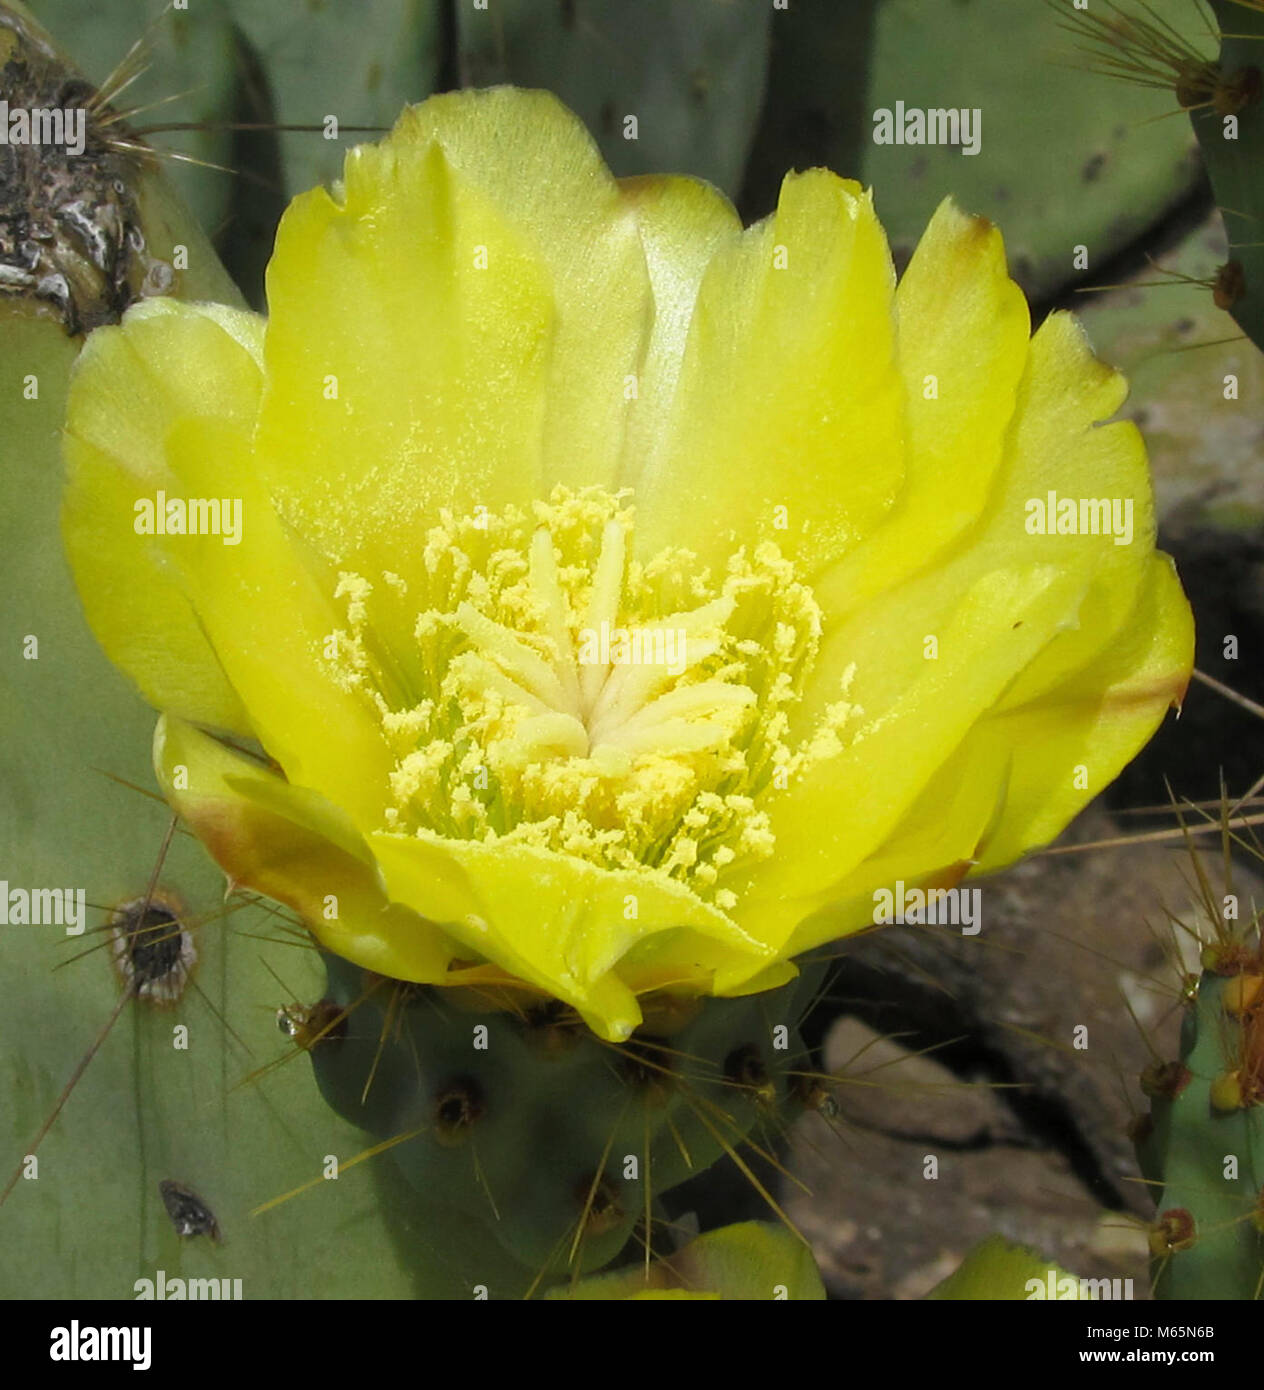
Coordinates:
x,y
604,1210
745,1067
457,1108
569,15
813,1094
188,1212
1236,92
153,950
1093,168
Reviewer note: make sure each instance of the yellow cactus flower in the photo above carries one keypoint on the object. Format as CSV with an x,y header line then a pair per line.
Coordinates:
x,y
564,585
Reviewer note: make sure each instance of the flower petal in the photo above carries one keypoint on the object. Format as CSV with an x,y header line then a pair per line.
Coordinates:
x,y
1054,441
934,846
842,810
1056,448
270,620
476,293
578,931
293,846
789,396
963,332
1095,720
683,223
165,363
535,161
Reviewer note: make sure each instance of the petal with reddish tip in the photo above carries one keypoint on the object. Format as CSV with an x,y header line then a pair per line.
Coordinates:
x,y
293,846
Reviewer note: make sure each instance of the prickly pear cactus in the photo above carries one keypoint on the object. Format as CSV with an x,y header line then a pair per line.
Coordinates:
x,y
1202,1143
413,1140
1230,130
159,1102
202,1153
556,1142
195,981
175,68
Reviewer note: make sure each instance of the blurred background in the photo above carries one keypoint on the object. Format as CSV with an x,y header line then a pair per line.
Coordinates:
x,y
961,1048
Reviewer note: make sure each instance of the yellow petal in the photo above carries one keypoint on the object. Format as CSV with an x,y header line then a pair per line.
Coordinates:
x,y
295,847
682,223
475,293
934,844
165,363
915,713
847,805
962,344
402,377
1055,446
536,163
1076,738
269,619
789,396
567,926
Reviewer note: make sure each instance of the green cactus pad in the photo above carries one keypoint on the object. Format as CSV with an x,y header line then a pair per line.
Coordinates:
x,y
540,1131
1066,158
690,71
1204,1154
1233,148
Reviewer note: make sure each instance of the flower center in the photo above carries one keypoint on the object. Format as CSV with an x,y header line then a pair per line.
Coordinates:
x,y
558,692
